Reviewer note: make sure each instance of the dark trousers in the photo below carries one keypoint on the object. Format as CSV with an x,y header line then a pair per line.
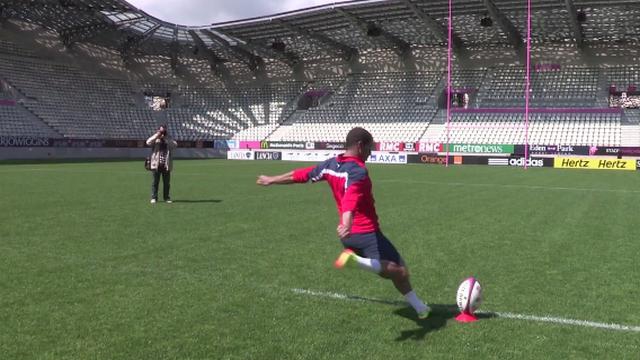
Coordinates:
x,y
166,183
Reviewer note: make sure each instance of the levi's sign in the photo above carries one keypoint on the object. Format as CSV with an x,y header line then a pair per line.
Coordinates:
x,y
598,164
478,149
268,155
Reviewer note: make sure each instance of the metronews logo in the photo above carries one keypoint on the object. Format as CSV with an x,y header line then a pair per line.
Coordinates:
x,y
481,149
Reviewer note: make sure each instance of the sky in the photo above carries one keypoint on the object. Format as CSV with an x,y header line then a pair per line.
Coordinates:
x,y
203,12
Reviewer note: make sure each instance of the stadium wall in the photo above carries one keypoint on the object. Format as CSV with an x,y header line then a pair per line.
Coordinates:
x,y
560,160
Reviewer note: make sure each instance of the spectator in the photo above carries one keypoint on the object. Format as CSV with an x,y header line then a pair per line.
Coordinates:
x,y
161,164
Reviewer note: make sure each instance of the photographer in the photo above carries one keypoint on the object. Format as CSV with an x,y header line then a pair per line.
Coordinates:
x,y
161,163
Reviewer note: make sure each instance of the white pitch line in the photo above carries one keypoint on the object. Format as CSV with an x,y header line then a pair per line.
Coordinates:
x,y
345,297
505,315
557,320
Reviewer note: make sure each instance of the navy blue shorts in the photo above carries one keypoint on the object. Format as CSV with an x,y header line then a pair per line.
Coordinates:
x,y
373,245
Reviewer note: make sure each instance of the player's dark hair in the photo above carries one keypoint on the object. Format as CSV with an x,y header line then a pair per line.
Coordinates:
x,y
357,135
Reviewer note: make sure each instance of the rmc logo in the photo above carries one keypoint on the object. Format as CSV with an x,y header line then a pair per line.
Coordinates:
x,y
390,146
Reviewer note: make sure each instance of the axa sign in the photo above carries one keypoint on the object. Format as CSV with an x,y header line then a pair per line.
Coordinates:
x,y
386,158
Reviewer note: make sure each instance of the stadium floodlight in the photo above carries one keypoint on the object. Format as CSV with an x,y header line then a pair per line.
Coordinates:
x,y
278,45
486,22
373,30
581,16
250,49
512,32
432,25
340,49
216,63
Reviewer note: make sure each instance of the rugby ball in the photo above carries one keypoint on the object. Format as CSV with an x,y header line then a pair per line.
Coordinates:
x,y
469,295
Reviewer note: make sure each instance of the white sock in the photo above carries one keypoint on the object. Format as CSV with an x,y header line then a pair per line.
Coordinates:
x,y
415,302
372,265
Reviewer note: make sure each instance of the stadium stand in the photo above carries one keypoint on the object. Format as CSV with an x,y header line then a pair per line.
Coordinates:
x,y
602,129
243,113
16,121
394,106
313,75
75,103
565,87
623,77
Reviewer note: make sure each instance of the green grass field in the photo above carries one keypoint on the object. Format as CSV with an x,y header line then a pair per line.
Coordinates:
x,y
91,270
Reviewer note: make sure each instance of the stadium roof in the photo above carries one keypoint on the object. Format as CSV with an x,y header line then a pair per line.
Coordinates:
x,y
340,29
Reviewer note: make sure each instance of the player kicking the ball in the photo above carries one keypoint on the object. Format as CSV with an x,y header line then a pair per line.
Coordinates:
x,y
365,245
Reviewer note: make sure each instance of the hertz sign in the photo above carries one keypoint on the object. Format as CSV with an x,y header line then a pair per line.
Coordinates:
x,y
597,164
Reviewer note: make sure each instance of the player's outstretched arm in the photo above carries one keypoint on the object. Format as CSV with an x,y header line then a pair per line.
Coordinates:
x,y
301,175
283,179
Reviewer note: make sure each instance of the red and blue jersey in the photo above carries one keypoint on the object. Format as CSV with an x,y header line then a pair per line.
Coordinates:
x,y
352,189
